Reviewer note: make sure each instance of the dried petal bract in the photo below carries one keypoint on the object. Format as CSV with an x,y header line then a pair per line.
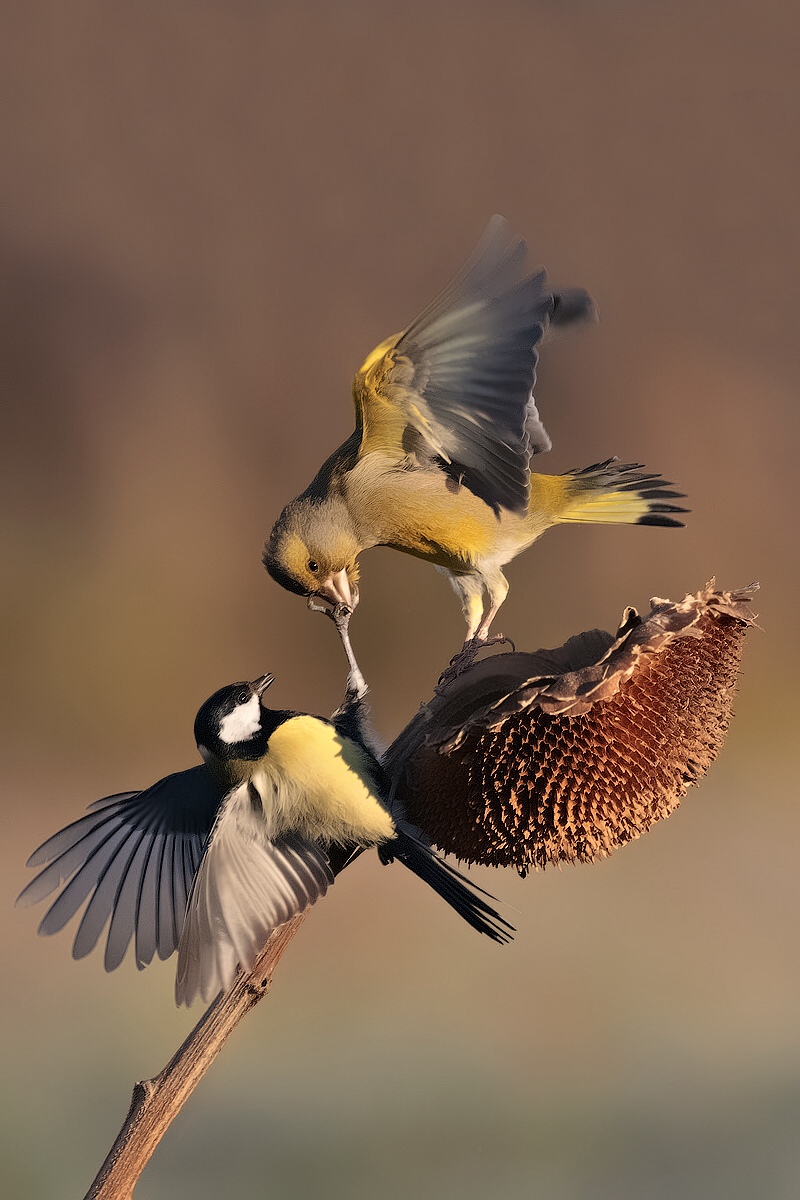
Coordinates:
x,y
563,755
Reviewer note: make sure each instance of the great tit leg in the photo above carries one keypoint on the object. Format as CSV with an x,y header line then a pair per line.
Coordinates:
x,y
356,687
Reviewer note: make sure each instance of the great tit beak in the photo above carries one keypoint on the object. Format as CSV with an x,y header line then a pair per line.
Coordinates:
x,y
336,589
259,686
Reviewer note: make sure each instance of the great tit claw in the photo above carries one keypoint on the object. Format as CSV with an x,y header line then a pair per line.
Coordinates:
x,y
340,614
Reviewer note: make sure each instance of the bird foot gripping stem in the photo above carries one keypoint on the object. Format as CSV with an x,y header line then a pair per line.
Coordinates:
x,y
356,687
466,657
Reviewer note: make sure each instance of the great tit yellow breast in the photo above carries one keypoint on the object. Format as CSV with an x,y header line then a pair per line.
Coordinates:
x,y
319,784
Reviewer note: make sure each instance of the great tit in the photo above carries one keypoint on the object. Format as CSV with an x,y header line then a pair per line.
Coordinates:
x,y
211,860
439,463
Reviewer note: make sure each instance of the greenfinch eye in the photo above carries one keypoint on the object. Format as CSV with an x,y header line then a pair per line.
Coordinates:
x,y
313,566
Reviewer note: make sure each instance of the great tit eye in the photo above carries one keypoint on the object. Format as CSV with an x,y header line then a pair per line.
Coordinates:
x,y
242,697
313,566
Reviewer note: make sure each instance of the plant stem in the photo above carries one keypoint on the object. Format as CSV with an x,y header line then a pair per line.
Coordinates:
x,y
157,1101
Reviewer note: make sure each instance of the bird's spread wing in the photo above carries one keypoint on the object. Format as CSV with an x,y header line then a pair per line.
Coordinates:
x,y
134,856
246,886
460,378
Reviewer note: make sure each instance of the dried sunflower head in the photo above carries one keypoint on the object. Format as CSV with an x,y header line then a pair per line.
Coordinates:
x,y
563,755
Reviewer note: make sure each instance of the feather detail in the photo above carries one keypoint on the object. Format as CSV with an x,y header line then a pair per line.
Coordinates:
x,y
133,857
614,493
246,886
461,376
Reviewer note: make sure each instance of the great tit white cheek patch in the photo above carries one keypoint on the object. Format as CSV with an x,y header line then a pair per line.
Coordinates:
x,y
243,723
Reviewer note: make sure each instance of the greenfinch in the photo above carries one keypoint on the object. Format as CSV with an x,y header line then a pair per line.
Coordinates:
x,y
438,465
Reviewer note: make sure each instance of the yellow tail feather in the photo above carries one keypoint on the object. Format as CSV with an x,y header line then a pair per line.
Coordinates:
x,y
613,493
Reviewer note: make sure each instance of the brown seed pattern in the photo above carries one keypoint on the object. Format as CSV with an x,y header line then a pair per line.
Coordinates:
x,y
537,787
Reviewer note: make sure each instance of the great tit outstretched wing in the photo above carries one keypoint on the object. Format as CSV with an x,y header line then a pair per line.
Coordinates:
x,y
247,884
134,855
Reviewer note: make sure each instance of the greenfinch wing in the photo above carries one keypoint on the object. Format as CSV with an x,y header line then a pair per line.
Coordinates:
x,y
460,378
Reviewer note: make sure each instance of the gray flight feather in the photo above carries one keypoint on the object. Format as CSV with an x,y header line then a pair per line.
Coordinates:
x,y
134,857
247,885
473,354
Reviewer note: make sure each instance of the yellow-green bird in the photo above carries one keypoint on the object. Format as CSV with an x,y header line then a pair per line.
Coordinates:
x,y
439,462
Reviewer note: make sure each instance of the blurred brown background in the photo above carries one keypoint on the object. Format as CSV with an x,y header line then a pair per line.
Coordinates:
x,y
212,212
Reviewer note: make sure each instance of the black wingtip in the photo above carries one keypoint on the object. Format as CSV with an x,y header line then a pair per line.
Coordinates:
x,y
573,306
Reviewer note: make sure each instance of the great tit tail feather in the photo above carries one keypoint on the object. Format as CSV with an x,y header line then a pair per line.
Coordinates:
x,y
459,892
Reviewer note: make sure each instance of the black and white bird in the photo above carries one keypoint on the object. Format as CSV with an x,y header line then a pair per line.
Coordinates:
x,y
211,860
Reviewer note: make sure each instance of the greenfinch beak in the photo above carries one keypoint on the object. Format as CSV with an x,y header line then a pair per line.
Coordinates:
x,y
336,589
